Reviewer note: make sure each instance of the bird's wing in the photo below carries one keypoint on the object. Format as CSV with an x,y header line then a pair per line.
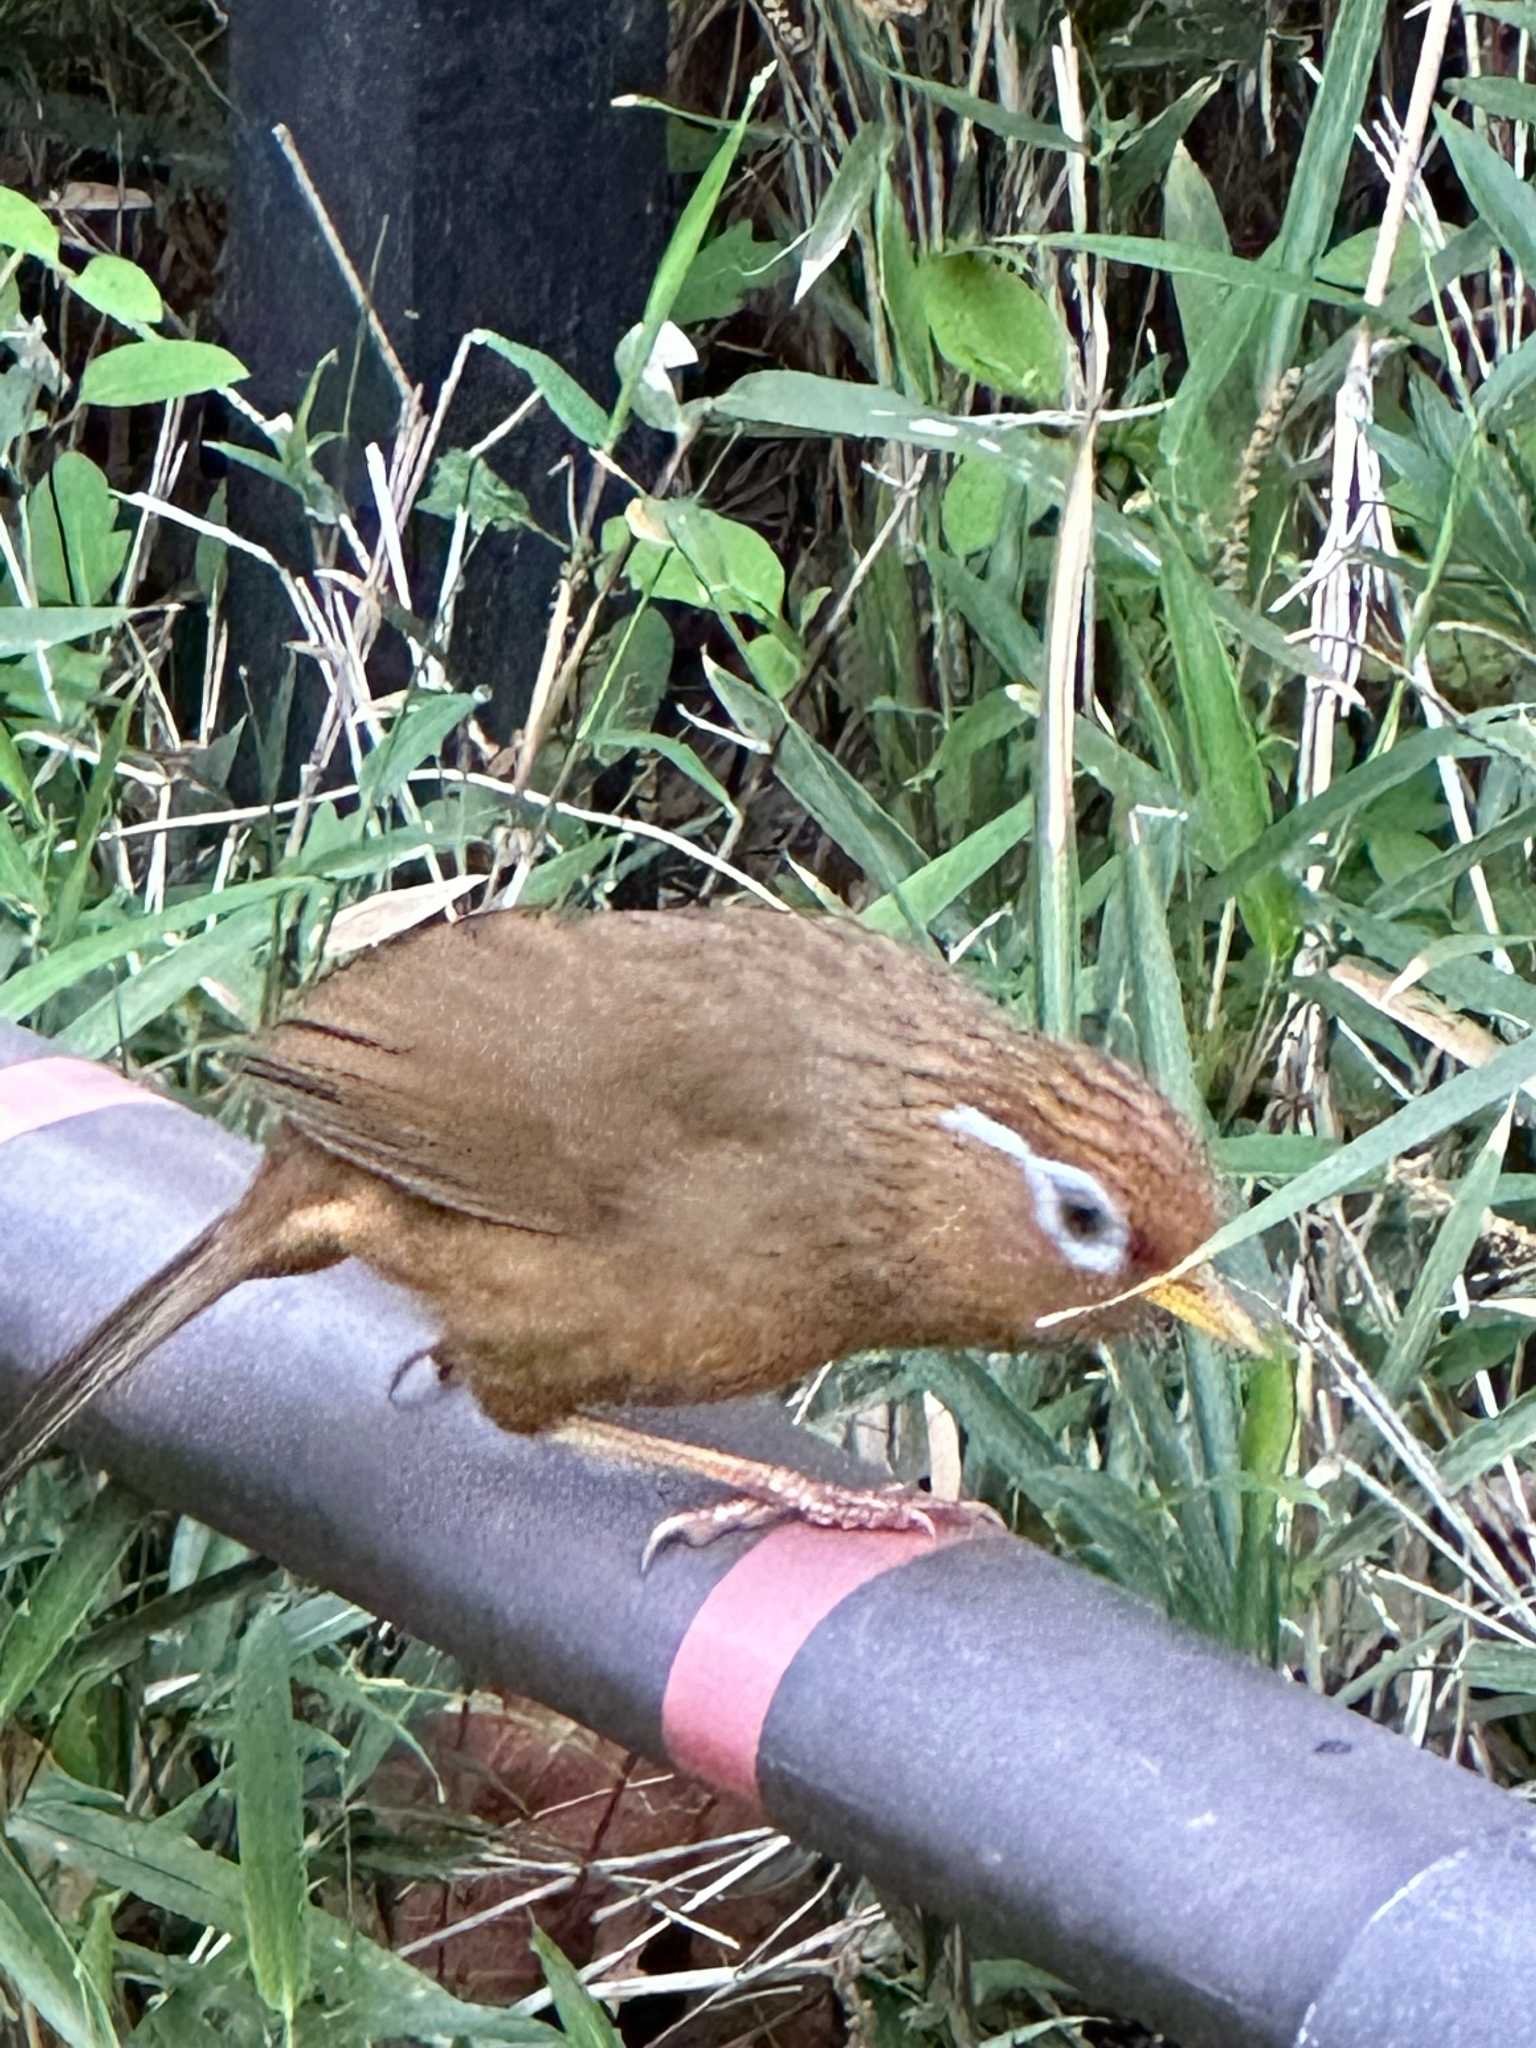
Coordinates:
x,y
452,1063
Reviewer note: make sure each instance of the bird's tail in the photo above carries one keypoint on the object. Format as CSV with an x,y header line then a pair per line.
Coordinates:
x,y
185,1285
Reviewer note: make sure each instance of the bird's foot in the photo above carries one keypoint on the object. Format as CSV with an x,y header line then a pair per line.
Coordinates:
x,y
789,1496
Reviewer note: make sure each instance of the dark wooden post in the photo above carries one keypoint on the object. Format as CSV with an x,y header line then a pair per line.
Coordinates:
x,y
470,159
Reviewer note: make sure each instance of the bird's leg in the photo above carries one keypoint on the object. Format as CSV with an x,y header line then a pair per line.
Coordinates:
x,y
762,1494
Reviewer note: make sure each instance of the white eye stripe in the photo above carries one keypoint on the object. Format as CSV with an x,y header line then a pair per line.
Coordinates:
x,y
1073,1209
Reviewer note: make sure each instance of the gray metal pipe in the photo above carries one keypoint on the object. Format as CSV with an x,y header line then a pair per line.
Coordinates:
x,y
981,1728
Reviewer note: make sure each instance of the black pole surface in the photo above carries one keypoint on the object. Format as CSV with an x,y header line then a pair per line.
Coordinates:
x,y
985,1730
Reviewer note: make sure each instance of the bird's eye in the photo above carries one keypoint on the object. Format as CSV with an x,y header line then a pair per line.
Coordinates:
x,y
1083,1220
1074,1211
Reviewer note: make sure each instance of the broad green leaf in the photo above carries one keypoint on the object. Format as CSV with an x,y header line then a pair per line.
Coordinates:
x,y
1503,198
1500,1667
586,2024
695,556
610,740
218,954
98,794
270,1811
1149,148
1486,1443
1348,263
463,482
579,414
25,226
1323,164
1508,98
624,685
25,992
1211,265
901,292
1229,773
1192,220
725,272
153,372
971,509
986,113
78,549
994,326
416,735
117,287
17,879
1285,844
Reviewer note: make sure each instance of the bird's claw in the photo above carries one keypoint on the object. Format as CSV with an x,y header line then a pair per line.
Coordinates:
x,y
825,1505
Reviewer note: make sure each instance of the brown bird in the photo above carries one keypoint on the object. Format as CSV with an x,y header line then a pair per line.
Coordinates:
x,y
668,1157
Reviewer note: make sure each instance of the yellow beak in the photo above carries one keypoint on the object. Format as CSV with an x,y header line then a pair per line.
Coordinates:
x,y
1200,1300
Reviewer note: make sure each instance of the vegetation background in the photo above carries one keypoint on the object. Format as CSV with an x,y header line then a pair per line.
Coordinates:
x,y
1045,560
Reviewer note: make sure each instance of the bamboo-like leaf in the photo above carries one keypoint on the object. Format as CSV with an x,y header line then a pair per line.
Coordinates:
x,y
270,1810
67,1590
37,1958
847,197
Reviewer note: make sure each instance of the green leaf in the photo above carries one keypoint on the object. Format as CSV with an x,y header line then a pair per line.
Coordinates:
x,y
1487,1443
924,896
706,560
1269,1422
1453,1245
586,2024
1288,841
78,549
1508,98
1213,266
26,627
986,113
971,511
18,879
1503,198
461,481
845,202
629,677
270,1810
419,729
93,811
724,273
996,328
678,256
70,1586
382,1996
25,226
153,372
1453,1102
119,288
37,1959
576,412
221,954
843,808
1229,772
26,992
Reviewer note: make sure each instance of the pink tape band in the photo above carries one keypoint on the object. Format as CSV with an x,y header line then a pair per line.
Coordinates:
x,y
37,1093
749,1630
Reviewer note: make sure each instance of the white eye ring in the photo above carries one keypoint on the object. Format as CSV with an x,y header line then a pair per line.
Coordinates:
x,y
1073,1209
